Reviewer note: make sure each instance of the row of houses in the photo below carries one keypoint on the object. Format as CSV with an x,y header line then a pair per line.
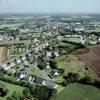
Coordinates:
x,y
35,79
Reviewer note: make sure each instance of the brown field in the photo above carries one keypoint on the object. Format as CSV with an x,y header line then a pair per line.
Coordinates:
x,y
81,51
3,54
92,58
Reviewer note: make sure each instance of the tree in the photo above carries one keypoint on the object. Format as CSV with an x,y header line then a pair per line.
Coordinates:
x,y
26,91
86,80
53,64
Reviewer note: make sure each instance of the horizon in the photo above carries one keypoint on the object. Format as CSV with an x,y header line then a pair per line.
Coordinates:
x,y
50,6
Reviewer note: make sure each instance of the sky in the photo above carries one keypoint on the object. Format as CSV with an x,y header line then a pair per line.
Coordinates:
x,y
49,6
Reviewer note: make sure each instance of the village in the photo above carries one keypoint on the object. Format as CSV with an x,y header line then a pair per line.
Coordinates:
x,y
38,50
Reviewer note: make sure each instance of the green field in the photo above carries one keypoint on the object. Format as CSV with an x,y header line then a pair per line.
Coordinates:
x,y
70,63
73,38
79,92
11,88
92,39
10,25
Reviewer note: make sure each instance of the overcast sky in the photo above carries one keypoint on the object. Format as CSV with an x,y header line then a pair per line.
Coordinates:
x,y
50,6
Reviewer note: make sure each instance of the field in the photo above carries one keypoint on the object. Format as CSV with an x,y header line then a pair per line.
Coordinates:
x,y
70,63
73,38
3,54
92,39
79,92
11,88
92,58
10,25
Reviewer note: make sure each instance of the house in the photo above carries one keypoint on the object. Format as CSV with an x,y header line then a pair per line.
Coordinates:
x,y
11,70
21,67
20,75
36,49
47,44
54,72
26,62
23,58
83,40
1,38
49,54
48,66
12,64
56,53
28,78
98,39
29,54
5,66
36,40
40,81
18,60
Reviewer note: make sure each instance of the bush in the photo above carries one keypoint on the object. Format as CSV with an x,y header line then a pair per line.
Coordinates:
x,y
26,91
71,77
86,80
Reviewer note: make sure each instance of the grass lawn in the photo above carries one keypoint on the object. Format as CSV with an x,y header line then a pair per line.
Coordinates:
x,y
35,71
11,88
58,79
79,92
